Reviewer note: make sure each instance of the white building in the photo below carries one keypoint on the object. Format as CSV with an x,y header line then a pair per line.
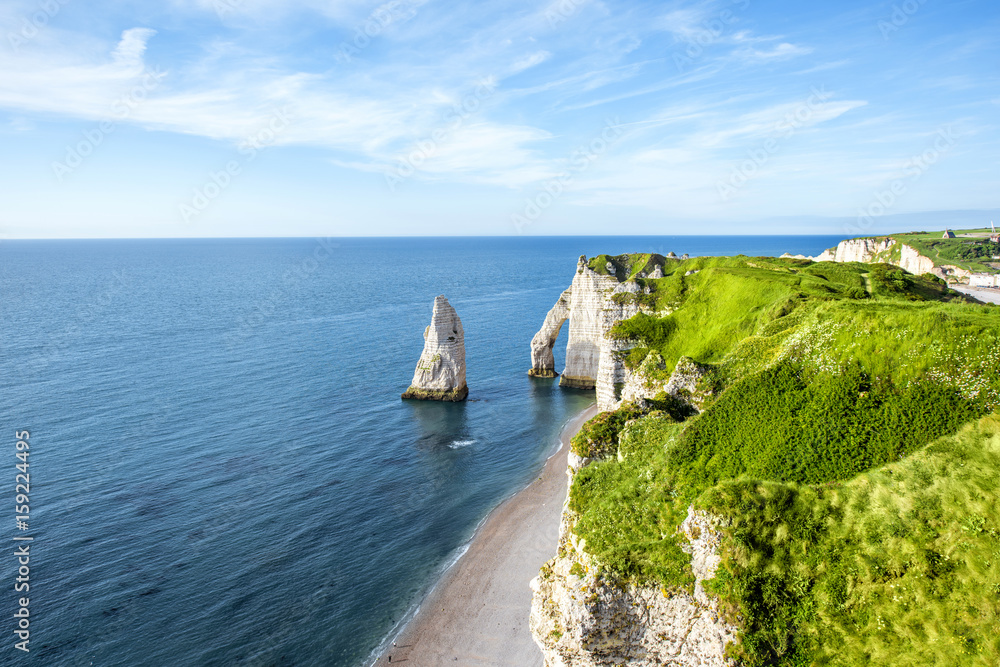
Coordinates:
x,y
984,280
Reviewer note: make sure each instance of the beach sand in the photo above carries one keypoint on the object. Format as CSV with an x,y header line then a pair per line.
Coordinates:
x,y
983,294
478,613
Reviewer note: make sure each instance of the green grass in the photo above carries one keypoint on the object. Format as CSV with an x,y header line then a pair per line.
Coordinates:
x,y
628,516
600,436
731,299
830,381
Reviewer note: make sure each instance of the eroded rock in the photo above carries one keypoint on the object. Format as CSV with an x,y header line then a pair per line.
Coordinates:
x,y
542,362
440,373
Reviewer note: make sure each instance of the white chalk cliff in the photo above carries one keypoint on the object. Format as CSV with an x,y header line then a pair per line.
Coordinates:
x,y
587,325
683,384
612,376
440,373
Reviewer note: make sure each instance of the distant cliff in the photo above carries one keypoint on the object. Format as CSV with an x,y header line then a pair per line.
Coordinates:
x,y
889,250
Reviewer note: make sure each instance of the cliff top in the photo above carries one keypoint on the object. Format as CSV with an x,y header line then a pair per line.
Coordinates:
x,y
627,266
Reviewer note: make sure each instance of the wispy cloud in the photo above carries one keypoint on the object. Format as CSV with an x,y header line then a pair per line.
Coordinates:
x,y
781,51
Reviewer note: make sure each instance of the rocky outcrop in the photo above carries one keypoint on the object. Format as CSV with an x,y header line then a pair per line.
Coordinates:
x,y
580,618
911,260
542,362
440,373
611,372
685,382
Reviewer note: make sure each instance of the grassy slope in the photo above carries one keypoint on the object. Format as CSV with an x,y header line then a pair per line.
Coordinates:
x,y
823,372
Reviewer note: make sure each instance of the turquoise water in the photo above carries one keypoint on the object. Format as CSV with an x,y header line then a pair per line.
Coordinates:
x,y
222,472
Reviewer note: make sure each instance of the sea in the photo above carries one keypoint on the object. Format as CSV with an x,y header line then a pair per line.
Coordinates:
x,y
221,470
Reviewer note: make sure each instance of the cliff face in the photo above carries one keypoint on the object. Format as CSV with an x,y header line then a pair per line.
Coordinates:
x,y
587,326
684,383
542,362
440,373
612,375
579,618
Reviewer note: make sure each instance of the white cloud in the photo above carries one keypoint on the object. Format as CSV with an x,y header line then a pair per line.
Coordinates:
x,y
368,119
530,61
131,47
685,23
266,10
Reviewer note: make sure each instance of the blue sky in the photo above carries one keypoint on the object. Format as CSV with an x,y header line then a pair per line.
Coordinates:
x,y
277,118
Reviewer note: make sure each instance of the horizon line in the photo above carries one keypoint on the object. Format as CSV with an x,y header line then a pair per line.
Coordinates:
x,y
460,236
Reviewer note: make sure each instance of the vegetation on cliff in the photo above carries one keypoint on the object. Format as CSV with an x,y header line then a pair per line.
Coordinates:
x,y
847,446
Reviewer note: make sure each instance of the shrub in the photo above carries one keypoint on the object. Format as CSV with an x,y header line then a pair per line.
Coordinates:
x,y
599,436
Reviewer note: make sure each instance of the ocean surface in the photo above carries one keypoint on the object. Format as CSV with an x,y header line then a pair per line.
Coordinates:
x,y
222,471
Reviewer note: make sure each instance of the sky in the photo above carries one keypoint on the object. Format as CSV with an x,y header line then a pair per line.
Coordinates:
x,y
212,118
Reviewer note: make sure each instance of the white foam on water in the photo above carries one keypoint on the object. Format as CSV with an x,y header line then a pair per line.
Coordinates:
x,y
458,444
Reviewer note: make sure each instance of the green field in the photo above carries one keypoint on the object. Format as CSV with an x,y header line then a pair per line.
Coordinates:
x,y
847,441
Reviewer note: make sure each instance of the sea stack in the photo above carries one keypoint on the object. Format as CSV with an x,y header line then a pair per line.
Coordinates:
x,y
440,374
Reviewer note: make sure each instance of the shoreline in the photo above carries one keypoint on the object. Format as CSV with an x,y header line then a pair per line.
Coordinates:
x,y
477,614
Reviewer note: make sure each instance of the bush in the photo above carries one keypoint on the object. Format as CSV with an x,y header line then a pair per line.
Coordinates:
x,y
599,436
781,425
